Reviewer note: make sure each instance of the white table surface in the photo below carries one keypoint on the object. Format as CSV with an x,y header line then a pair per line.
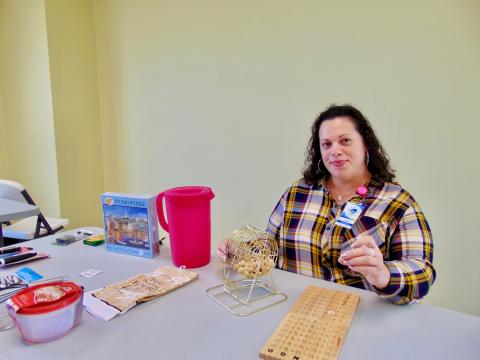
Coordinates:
x,y
187,324
11,210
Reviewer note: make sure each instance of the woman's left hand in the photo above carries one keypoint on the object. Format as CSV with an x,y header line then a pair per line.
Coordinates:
x,y
366,258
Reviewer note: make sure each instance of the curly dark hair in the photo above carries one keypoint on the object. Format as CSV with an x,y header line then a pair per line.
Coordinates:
x,y
379,162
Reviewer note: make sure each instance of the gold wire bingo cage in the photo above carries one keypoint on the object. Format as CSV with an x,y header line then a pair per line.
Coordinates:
x,y
246,270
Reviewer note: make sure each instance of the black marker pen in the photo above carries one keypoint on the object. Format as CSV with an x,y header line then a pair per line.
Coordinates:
x,y
15,258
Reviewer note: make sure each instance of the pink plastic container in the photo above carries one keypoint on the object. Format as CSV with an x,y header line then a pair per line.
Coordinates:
x,y
188,213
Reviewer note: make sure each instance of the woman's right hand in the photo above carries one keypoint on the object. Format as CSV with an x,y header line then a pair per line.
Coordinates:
x,y
222,250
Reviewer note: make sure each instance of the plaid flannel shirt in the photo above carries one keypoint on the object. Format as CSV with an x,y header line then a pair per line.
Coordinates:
x,y
303,223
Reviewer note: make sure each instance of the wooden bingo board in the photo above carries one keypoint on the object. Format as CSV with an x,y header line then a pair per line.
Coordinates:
x,y
314,328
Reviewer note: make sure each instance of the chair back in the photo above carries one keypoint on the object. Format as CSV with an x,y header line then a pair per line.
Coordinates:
x,y
12,190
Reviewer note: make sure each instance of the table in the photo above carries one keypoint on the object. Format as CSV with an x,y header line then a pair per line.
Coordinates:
x,y
12,210
187,324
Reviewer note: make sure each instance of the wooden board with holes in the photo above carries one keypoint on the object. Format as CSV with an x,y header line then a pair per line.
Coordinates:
x,y
314,328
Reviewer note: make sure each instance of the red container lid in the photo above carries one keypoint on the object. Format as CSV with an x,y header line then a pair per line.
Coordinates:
x,y
45,298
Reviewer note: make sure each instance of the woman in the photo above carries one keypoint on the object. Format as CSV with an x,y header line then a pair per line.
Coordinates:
x,y
347,221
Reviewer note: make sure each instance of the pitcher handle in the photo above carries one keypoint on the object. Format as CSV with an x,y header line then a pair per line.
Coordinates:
x,y
161,217
212,195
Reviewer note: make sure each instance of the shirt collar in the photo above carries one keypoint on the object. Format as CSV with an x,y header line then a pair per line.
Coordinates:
x,y
371,186
323,183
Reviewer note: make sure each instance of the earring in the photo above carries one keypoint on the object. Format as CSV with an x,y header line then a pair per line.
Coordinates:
x,y
367,158
319,165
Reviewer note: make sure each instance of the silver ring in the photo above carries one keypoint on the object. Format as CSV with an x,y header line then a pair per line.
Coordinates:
x,y
371,252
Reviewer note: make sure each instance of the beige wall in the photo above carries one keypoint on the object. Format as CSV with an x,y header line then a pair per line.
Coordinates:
x,y
73,69
50,137
3,149
25,92
223,94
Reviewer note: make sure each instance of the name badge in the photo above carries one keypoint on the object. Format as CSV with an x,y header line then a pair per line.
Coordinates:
x,y
349,215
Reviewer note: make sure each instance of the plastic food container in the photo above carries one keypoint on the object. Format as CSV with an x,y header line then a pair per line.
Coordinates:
x,y
47,311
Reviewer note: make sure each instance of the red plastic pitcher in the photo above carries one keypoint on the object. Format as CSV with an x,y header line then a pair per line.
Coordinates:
x,y
188,213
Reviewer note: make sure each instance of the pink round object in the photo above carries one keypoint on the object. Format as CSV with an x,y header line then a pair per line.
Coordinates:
x,y
362,191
